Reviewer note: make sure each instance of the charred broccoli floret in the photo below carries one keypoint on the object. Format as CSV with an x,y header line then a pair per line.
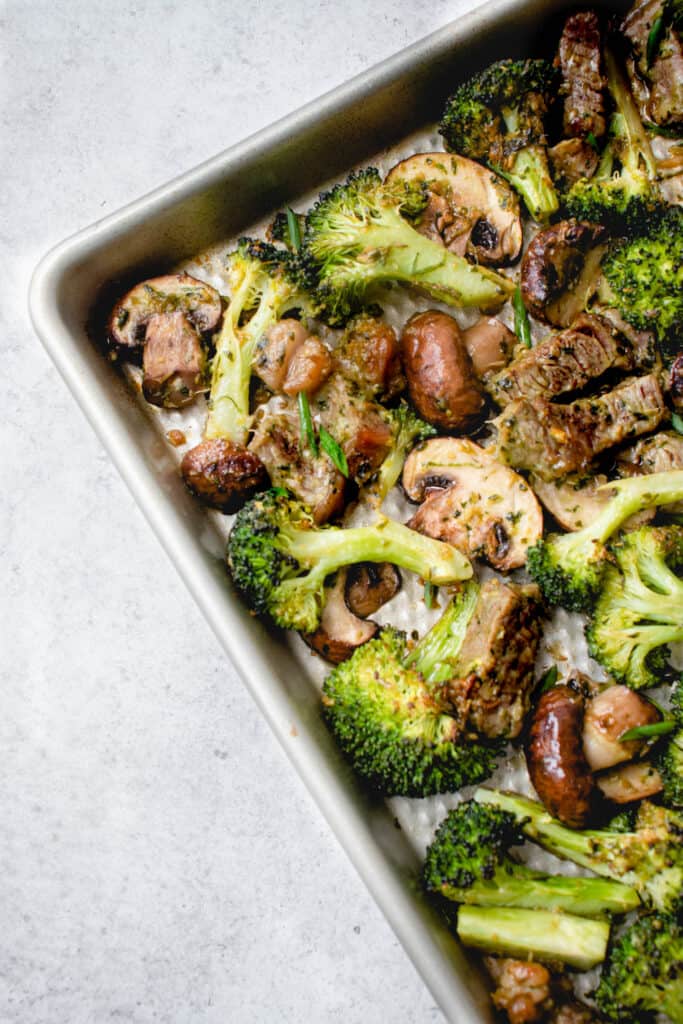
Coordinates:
x,y
265,283
643,276
569,567
643,974
497,117
623,193
639,610
468,862
408,429
357,237
670,759
396,728
650,858
279,558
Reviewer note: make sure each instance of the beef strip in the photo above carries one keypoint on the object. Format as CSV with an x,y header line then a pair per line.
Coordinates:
x,y
571,160
493,674
568,361
659,86
554,440
357,424
370,357
583,82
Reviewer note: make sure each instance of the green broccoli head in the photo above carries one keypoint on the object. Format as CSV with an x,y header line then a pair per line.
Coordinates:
x,y
644,275
643,973
279,558
570,567
265,283
670,759
358,237
639,610
497,117
394,728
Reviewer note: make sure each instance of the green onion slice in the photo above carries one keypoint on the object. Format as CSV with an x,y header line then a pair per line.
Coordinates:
x,y
332,449
646,732
307,431
522,325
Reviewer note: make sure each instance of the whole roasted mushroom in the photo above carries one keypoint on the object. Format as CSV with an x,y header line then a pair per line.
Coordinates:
x,y
222,474
560,270
471,210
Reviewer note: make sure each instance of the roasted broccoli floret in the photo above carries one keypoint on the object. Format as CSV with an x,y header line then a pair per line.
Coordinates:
x,y
497,117
265,284
670,759
569,567
408,429
643,974
643,276
357,236
639,610
396,728
623,193
279,558
468,862
650,858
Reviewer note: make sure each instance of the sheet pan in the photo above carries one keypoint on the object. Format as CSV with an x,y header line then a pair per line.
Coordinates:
x,y
208,204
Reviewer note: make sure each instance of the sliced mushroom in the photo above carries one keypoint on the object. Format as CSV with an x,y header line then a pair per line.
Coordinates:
x,y
172,293
173,362
223,475
479,506
490,345
471,209
340,631
608,716
560,270
630,782
370,585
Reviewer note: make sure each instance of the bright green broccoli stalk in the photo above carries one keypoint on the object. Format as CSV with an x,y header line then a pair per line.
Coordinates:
x,y
408,429
279,558
643,276
649,859
639,610
468,862
643,974
437,652
357,237
670,759
623,193
576,941
396,728
497,117
265,284
569,567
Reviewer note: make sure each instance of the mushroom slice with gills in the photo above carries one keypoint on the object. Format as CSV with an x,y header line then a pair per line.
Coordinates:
x,y
472,501
560,270
340,631
607,716
223,474
630,782
471,210
370,585
172,293
490,345
173,361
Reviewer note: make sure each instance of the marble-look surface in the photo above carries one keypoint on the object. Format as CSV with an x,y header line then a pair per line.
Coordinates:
x,y
160,860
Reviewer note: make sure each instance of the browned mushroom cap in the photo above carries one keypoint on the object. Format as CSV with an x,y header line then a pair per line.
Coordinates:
x,y
223,474
478,505
173,361
490,345
560,270
340,631
630,782
173,293
607,717
370,585
471,210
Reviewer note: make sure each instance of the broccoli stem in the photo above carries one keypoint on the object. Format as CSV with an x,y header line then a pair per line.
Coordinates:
x,y
385,541
434,655
576,941
630,140
402,254
229,398
521,887
529,174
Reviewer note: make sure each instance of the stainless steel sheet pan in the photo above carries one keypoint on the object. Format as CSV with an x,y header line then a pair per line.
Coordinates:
x,y
213,202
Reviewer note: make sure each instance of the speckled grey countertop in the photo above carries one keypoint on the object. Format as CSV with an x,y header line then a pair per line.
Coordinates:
x,y
160,860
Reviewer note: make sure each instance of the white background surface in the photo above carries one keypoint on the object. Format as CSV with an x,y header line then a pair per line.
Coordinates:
x,y
160,861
